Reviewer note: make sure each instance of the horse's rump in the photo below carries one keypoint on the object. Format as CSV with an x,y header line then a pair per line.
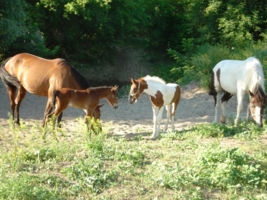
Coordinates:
x,y
7,79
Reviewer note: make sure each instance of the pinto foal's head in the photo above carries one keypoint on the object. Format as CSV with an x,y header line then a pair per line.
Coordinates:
x,y
257,104
137,89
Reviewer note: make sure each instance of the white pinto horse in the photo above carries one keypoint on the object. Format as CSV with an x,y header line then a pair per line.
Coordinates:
x,y
237,77
161,94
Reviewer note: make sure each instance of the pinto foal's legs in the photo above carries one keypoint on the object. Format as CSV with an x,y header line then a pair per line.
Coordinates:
x,y
168,113
155,113
157,116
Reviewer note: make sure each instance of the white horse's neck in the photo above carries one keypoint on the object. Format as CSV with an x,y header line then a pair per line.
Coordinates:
x,y
256,77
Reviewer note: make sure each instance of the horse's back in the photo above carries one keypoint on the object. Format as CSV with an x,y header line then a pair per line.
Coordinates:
x,y
38,74
229,75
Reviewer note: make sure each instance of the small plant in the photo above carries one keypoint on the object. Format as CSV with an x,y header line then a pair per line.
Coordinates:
x,y
90,175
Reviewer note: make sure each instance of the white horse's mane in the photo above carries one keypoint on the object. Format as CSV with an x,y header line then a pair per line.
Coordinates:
x,y
155,79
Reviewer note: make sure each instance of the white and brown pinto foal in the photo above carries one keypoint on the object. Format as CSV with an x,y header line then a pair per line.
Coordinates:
x,y
237,77
161,94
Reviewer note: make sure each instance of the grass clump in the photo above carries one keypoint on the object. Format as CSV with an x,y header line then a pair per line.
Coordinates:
x,y
206,161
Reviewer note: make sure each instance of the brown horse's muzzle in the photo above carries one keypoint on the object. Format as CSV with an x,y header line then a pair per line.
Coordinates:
x,y
115,106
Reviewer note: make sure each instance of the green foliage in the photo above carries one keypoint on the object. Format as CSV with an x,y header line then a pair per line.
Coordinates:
x,y
12,22
199,65
168,72
229,169
87,32
214,167
123,91
21,33
40,155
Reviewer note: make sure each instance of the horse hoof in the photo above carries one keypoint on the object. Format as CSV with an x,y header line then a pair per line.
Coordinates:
x,y
152,137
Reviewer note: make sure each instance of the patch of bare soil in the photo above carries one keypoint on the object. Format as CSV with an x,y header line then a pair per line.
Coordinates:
x,y
195,106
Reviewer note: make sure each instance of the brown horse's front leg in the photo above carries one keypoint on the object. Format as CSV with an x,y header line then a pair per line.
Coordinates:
x,y
48,110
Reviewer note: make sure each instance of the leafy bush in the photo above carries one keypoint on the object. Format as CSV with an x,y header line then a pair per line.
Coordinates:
x,y
229,168
198,66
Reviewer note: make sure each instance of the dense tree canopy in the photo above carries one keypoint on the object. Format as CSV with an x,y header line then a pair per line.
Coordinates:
x,y
89,30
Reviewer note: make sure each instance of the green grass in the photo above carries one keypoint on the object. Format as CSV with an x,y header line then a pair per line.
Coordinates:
x,y
207,161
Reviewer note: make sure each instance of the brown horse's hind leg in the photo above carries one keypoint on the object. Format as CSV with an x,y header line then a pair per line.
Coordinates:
x,y
20,96
11,91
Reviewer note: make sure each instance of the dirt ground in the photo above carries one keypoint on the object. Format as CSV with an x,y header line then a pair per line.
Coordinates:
x,y
195,106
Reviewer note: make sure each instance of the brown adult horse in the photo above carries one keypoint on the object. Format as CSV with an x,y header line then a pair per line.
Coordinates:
x,y
84,99
26,72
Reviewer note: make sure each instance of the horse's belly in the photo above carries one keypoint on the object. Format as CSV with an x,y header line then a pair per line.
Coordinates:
x,y
37,89
230,88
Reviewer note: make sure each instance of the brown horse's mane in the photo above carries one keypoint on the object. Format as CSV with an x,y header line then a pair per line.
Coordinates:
x,y
99,87
259,94
81,81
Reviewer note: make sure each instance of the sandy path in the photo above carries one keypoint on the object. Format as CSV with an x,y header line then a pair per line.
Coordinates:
x,y
195,106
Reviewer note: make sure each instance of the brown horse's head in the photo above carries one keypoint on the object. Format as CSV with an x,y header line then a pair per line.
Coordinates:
x,y
137,88
112,97
257,104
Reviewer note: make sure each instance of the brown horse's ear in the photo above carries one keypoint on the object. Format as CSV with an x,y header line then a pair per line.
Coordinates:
x,y
251,94
99,106
115,88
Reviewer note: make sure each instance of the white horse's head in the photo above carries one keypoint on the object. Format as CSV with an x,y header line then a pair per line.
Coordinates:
x,y
257,104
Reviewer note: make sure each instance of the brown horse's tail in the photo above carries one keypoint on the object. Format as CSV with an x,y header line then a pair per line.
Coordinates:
x,y
7,79
55,93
